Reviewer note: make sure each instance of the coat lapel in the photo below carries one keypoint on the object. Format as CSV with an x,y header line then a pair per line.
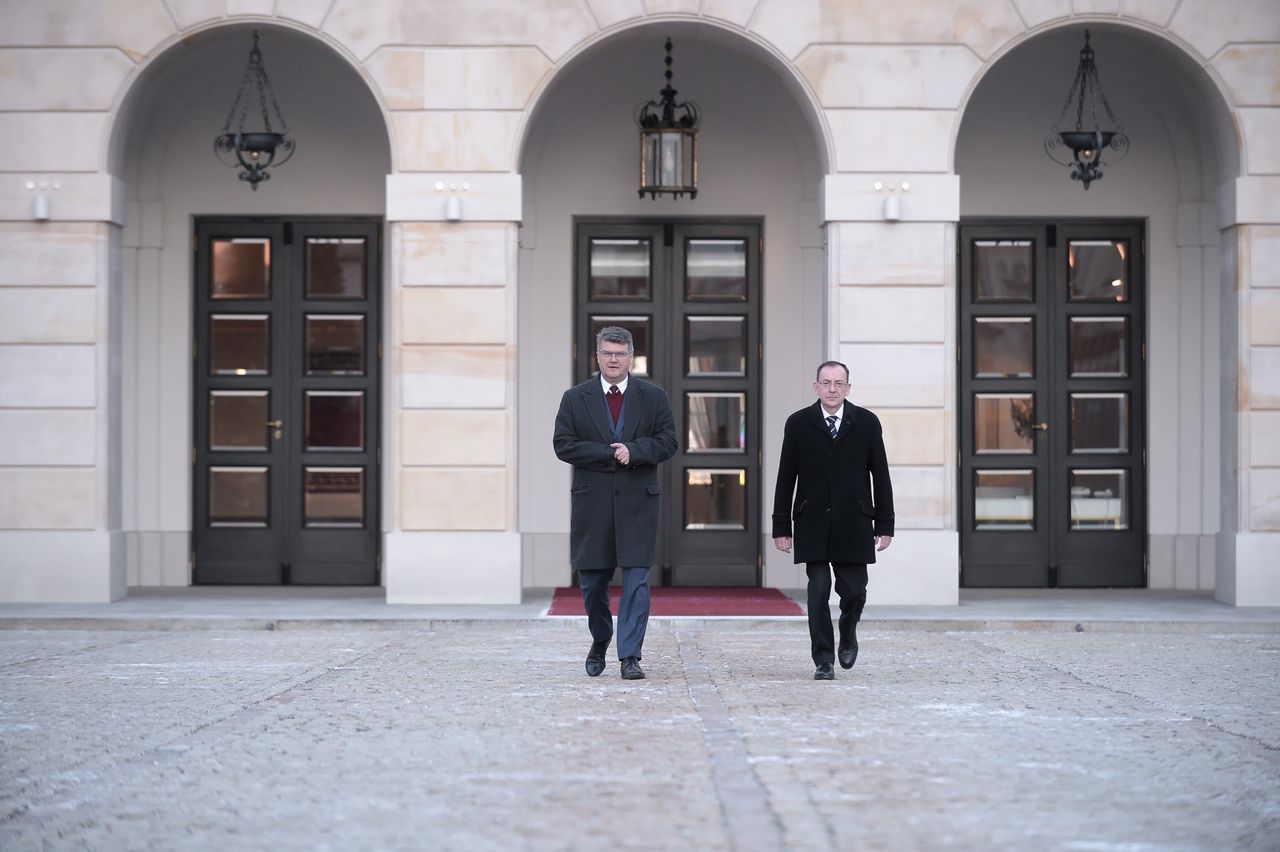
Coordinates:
x,y
818,419
599,409
631,407
846,420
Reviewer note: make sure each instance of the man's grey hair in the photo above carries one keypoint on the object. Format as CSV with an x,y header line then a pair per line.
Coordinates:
x,y
614,334
825,364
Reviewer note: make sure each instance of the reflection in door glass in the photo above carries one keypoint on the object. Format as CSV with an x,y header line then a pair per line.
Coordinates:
x,y
639,328
1004,499
241,268
1099,500
240,344
1099,422
335,420
334,496
1002,422
619,270
1003,347
715,499
716,270
1002,270
1098,346
238,420
1096,270
335,345
716,346
717,422
335,268
238,496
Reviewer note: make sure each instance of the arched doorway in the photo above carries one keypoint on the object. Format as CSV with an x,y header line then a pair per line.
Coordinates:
x,y
1114,478
762,159
193,455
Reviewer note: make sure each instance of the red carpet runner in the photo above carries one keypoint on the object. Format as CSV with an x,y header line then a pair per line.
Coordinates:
x,y
690,600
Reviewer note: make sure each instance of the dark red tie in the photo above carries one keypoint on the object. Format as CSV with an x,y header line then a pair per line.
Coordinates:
x,y
614,398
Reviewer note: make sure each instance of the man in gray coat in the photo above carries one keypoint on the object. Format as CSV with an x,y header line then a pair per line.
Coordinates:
x,y
615,430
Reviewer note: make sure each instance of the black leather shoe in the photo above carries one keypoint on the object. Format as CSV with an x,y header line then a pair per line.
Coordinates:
x,y
631,669
595,658
825,672
849,654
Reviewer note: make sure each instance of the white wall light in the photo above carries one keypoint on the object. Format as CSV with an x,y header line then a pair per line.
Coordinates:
x,y
453,203
40,203
891,207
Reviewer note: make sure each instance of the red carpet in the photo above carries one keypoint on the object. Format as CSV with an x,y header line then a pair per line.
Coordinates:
x,y
689,600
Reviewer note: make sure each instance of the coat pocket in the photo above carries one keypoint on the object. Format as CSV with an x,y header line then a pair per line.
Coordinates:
x,y
653,488
866,509
578,489
795,513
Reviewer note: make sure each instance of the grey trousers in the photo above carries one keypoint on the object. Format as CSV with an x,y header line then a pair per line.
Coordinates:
x,y
633,609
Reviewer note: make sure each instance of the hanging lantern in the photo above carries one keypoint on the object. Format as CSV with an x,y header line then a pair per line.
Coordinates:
x,y
1086,142
254,151
668,143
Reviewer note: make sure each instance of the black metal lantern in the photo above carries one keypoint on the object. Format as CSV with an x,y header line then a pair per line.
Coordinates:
x,y
668,143
1086,144
255,151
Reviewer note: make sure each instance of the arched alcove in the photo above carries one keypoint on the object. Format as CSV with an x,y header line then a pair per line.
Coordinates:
x,y
1183,150
161,150
762,155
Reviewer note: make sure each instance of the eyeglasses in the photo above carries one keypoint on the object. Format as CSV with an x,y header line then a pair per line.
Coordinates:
x,y
608,356
829,385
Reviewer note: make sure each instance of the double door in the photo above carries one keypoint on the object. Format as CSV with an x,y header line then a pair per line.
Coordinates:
x,y
286,366
689,293
1052,404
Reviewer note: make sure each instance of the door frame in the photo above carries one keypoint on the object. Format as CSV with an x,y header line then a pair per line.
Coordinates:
x,y
1053,373
288,297
664,571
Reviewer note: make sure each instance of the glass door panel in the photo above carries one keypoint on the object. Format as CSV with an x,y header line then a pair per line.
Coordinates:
x,y
335,268
238,420
1004,347
241,268
717,345
620,270
240,344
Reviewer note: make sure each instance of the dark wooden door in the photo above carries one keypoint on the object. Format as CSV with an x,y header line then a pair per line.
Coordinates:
x,y
286,405
689,292
1052,405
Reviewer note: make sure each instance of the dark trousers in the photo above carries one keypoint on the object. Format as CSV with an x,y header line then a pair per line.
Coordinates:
x,y
633,609
851,586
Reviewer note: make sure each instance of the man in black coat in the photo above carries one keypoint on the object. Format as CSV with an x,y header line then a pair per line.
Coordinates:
x,y
843,508
615,430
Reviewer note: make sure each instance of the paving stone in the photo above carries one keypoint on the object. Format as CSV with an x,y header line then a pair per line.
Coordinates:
x,y
490,736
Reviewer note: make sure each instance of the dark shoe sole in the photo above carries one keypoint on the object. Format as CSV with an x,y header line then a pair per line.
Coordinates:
x,y
633,676
824,675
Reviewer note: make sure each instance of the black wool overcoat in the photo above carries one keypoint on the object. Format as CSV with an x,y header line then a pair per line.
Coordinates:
x,y
614,507
843,497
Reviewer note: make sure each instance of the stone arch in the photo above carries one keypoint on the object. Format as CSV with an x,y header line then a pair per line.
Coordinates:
x,y
1185,154
163,53
714,31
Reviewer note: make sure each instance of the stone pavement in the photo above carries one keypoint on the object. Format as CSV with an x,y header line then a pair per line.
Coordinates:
x,y
486,734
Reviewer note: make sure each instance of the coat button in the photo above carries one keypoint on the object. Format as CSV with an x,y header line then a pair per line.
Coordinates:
x,y
828,508
617,494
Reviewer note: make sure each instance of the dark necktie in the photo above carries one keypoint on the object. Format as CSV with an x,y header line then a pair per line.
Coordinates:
x,y
831,425
614,398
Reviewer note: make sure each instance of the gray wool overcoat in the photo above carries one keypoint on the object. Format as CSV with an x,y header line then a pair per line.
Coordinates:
x,y
614,519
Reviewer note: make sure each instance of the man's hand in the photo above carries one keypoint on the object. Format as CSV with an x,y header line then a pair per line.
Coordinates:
x,y
621,453
783,543
883,541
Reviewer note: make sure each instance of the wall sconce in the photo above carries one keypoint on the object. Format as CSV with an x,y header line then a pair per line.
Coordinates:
x,y
453,203
40,204
891,207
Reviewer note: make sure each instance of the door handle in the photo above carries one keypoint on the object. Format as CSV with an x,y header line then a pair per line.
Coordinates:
x,y
276,424
1042,427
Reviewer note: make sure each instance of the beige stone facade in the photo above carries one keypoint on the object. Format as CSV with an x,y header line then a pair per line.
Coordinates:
x,y
108,109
